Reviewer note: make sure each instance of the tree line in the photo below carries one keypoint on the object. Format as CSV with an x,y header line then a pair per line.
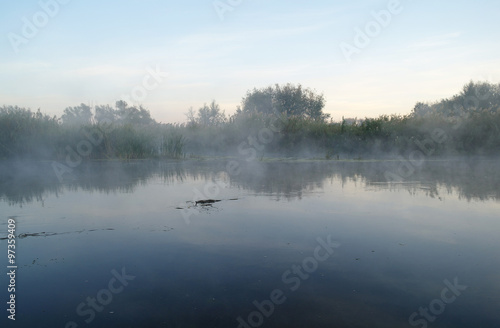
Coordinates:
x,y
291,115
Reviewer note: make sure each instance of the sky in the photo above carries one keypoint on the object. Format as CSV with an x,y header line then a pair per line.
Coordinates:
x,y
366,57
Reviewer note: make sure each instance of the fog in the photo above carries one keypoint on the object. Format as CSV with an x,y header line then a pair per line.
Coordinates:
x,y
281,121
22,183
249,164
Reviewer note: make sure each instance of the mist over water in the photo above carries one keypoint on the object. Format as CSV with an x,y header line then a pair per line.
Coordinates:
x,y
398,241
249,164
471,179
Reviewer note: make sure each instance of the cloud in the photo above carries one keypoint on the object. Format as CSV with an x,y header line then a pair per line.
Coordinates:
x,y
217,37
435,41
23,66
268,72
105,70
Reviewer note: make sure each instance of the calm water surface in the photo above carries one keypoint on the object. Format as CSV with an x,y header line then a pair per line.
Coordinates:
x,y
124,245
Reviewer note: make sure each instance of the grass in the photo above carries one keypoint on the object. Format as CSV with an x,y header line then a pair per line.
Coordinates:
x,y
32,135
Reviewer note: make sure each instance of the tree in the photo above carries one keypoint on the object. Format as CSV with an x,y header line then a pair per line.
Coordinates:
x,y
421,109
208,115
191,117
289,100
105,114
479,95
77,115
132,115
474,96
259,100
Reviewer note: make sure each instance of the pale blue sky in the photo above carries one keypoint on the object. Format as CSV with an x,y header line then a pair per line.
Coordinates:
x,y
96,51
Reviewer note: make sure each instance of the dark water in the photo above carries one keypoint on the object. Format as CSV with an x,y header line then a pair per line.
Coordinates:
x,y
290,244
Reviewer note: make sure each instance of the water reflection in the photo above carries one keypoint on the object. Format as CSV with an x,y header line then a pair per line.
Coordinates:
x,y
398,242
23,183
